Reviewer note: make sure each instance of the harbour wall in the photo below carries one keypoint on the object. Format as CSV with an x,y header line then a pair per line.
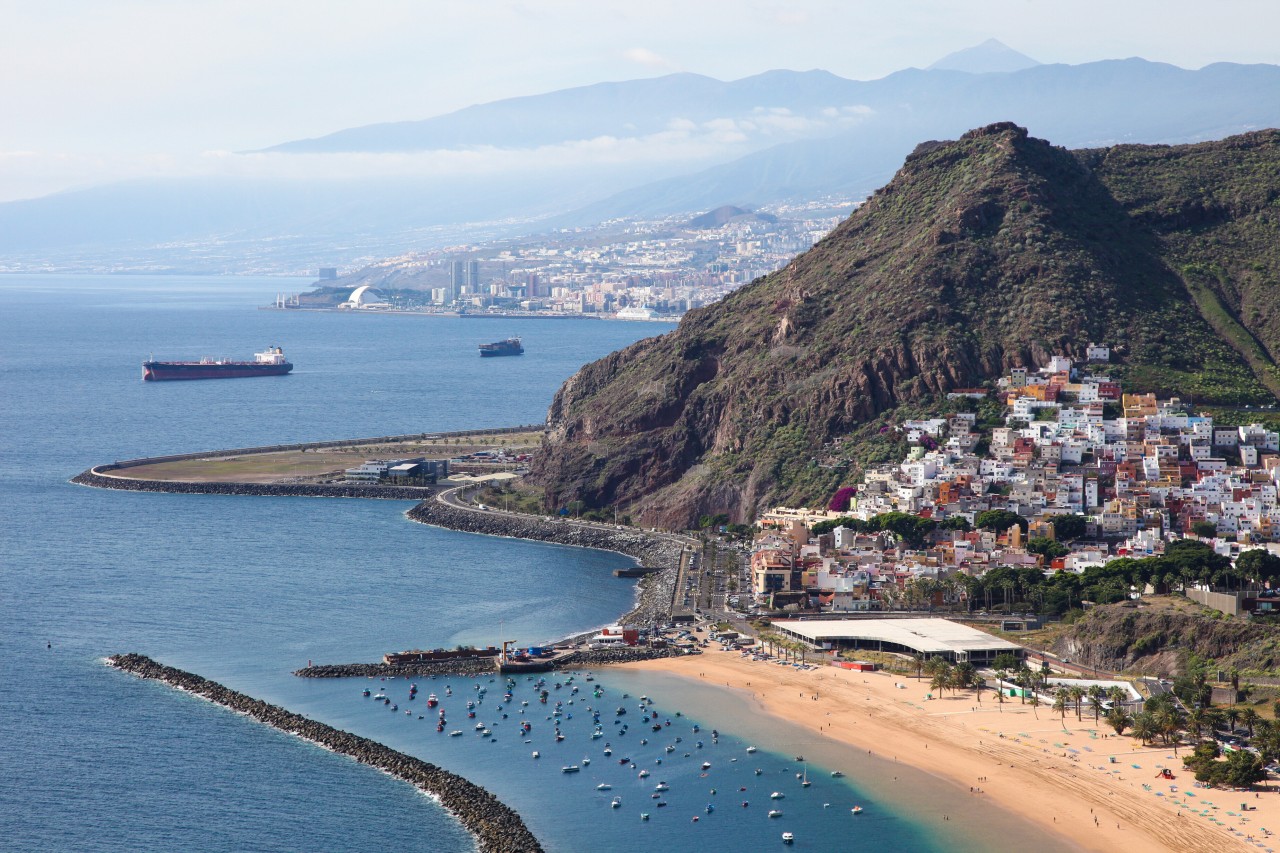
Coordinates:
x,y
94,477
659,551
581,659
496,827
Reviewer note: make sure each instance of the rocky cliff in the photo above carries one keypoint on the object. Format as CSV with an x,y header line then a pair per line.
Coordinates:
x,y
984,253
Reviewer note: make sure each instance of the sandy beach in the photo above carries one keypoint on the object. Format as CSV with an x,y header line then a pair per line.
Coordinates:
x,y
1075,779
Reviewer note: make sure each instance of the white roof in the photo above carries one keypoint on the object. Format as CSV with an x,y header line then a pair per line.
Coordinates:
x,y
923,635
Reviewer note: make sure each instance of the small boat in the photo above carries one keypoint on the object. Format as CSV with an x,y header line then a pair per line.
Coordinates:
x,y
455,733
572,768
856,809
617,803
604,786
644,773
366,692
586,761
395,707
479,727
710,808
485,733
775,812
380,697
759,771
706,765
836,774
788,838
535,754
662,803
777,795
608,751
751,750
432,701
644,815
662,786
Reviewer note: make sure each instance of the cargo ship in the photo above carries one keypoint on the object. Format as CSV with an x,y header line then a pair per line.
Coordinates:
x,y
270,362
511,346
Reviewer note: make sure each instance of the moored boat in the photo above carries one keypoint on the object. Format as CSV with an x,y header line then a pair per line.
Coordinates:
x,y
269,362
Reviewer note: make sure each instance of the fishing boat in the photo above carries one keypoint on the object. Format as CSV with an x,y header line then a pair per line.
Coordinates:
x,y
432,701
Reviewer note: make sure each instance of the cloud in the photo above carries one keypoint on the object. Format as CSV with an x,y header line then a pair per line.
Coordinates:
x,y
648,58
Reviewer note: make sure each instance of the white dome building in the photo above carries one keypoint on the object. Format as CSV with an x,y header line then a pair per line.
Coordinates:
x,y
363,297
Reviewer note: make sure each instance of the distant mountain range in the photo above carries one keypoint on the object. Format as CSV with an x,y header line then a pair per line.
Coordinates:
x,y
682,143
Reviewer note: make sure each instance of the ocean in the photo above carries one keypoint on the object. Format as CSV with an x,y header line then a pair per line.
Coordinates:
x,y
245,590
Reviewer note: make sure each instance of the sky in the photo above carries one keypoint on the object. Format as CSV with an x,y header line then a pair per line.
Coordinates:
x,y
101,90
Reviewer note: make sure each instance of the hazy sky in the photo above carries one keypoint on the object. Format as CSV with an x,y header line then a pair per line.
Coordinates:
x,y
95,90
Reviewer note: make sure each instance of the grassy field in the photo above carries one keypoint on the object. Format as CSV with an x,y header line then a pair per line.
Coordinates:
x,y
311,465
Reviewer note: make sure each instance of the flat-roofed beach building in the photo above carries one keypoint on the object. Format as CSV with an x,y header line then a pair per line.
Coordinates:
x,y
929,637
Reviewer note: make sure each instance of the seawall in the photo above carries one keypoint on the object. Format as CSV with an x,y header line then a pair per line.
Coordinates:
x,y
94,477
659,551
496,827
575,660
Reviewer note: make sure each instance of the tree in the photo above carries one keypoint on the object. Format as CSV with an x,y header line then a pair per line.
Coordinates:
x,y
1258,565
1097,698
1144,727
1068,527
1204,529
1047,548
1118,719
999,520
841,499
1060,703
955,522
1250,718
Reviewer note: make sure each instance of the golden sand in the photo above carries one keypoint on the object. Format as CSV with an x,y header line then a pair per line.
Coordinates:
x,y
1075,779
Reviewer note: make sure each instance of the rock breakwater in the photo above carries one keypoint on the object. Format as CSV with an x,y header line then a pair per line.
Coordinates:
x,y
656,550
92,477
496,827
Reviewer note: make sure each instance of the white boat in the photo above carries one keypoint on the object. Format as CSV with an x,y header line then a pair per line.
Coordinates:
x,y
535,754
856,809
750,750
644,773
706,765
788,838
572,768
617,803
775,812
836,774
586,761
455,733
662,786
777,795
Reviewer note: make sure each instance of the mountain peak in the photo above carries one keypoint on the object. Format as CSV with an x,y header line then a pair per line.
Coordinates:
x,y
992,56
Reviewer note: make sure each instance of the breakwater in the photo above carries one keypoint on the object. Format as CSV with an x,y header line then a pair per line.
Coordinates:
x,y
496,827
660,551
94,477
574,660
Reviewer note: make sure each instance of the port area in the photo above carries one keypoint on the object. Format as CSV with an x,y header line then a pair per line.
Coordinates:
x,y
324,463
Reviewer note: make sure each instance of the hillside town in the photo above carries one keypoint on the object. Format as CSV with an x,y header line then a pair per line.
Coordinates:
x,y
1076,474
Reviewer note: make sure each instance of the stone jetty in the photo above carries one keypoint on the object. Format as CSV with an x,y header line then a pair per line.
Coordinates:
x,y
580,659
659,551
496,827
94,478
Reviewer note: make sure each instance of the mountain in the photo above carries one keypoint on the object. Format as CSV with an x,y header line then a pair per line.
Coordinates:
x,y
984,253
991,56
668,145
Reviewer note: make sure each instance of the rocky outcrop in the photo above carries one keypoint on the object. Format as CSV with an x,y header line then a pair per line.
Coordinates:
x,y
657,550
496,827
1155,639
395,493
991,251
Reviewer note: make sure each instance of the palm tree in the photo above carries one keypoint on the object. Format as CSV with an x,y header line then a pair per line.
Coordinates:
x,y
1118,695
1144,727
1233,716
1096,695
1118,719
1076,693
919,659
966,678
1196,721
1250,718
1060,705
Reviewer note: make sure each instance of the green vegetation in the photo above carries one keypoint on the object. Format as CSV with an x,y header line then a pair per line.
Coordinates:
x,y
992,250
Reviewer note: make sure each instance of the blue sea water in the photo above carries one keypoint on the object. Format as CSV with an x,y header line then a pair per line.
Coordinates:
x,y
244,590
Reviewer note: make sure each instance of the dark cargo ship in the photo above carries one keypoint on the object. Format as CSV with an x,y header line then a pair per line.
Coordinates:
x,y
511,346
270,362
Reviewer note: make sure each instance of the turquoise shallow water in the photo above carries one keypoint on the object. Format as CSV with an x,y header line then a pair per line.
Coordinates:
x,y
243,590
